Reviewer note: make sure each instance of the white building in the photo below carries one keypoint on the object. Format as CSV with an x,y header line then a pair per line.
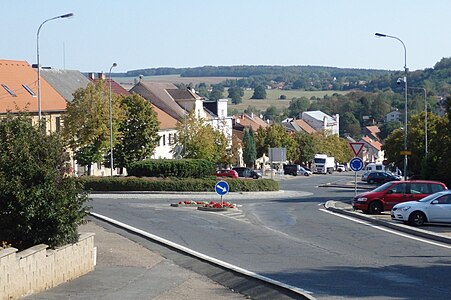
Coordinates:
x,y
321,121
393,116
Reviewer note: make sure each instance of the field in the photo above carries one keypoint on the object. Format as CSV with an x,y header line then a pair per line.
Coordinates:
x,y
272,96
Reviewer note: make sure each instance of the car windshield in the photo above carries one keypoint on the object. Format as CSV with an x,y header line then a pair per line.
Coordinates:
x,y
383,187
432,196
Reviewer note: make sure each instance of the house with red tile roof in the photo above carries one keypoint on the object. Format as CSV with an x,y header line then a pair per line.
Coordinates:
x,y
116,88
19,90
374,152
372,132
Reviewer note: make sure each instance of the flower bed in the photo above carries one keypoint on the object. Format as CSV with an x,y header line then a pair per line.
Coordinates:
x,y
189,203
217,206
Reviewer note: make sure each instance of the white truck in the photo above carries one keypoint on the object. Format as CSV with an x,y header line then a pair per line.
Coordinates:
x,y
323,164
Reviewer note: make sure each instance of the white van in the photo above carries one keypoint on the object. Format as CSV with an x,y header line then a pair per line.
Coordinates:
x,y
375,167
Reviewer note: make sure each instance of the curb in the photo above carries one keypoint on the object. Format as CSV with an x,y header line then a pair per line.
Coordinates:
x,y
330,205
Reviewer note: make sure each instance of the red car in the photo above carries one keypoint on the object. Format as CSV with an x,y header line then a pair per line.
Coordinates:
x,y
227,173
384,197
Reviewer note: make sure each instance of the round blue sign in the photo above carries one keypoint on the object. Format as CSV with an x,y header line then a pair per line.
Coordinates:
x,y
222,188
356,164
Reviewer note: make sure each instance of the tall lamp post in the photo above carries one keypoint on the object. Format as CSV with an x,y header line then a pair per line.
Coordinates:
x,y
405,95
39,66
111,122
425,120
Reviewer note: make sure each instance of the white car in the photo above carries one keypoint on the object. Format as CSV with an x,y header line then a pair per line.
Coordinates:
x,y
304,171
433,208
341,168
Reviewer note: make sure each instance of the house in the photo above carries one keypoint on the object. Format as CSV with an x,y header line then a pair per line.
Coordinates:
x,y
393,116
372,132
65,82
116,88
167,133
179,102
292,125
242,121
321,121
19,93
374,152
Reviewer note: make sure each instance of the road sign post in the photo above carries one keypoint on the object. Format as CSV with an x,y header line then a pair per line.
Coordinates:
x,y
222,188
356,164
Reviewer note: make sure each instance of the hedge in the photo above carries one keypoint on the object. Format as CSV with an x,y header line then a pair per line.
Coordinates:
x,y
93,183
180,168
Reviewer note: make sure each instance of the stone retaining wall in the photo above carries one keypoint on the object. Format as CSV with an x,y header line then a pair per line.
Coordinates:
x,y
37,268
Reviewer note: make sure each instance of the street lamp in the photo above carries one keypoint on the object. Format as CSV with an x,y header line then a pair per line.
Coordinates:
x,y
425,120
39,66
405,95
111,123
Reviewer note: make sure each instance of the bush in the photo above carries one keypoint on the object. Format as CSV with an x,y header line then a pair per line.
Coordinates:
x,y
174,184
181,168
38,203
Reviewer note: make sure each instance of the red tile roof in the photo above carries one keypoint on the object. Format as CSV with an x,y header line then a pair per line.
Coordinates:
x,y
116,88
15,75
305,126
375,144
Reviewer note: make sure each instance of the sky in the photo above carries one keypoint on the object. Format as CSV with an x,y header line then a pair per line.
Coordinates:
x,y
143,34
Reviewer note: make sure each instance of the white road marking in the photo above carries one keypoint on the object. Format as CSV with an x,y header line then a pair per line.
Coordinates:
x,y
387,230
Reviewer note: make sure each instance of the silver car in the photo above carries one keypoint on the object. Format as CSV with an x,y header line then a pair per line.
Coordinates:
x,y
433,208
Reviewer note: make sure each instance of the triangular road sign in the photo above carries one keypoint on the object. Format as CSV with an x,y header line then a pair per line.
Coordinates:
x,y
357,147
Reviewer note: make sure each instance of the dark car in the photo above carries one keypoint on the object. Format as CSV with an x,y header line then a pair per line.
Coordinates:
x,y
381,177
227,173
246,172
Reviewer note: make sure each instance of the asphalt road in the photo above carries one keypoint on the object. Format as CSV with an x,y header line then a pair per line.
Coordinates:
x,y
290,238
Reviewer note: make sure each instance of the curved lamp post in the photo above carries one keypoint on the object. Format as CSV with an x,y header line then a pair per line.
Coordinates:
x,y
405,95
111,123
39,66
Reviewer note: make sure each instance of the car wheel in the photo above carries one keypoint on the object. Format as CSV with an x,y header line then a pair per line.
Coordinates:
x,y
417,218
371,181
306,174
375,208
255,176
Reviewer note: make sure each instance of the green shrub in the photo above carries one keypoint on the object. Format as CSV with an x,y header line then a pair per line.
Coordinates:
x,y
206,184
38,202
180,168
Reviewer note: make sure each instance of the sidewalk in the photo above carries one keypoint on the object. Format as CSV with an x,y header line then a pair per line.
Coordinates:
x,y
126,270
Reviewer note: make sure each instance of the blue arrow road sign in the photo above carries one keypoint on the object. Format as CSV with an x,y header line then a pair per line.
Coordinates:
x,y
356,164
222,188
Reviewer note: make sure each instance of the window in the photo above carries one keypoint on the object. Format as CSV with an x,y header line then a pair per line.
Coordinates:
x,y
170,139
29,90
58,124
8,90
164,140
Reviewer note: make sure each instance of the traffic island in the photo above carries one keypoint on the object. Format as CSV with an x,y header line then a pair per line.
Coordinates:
x,y
189,203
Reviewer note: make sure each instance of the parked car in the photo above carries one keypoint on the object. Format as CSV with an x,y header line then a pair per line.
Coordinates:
x,y
247,172
365,175
227,173
296,170
381,177
384,197
341,168
430,209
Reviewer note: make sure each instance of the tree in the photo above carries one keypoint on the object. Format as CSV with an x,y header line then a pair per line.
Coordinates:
x,y
259,92
138,132
86,123
306,147
349,124
236,94
201,141
39,203
250,150
298,105
216,92
276,137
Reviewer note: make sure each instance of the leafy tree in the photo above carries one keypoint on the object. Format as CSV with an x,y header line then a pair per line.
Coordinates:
x,y
201,141
349,124
306,147
388,127
217,92
298,105
250,150
39,203
86,123
138,132
259,92
332,145
236,94
276,137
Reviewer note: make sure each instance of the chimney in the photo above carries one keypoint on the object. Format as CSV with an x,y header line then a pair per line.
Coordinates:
x,y
101,76
91,76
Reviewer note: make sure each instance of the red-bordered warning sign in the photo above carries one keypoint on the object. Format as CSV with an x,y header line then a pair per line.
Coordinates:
x,y
357,147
